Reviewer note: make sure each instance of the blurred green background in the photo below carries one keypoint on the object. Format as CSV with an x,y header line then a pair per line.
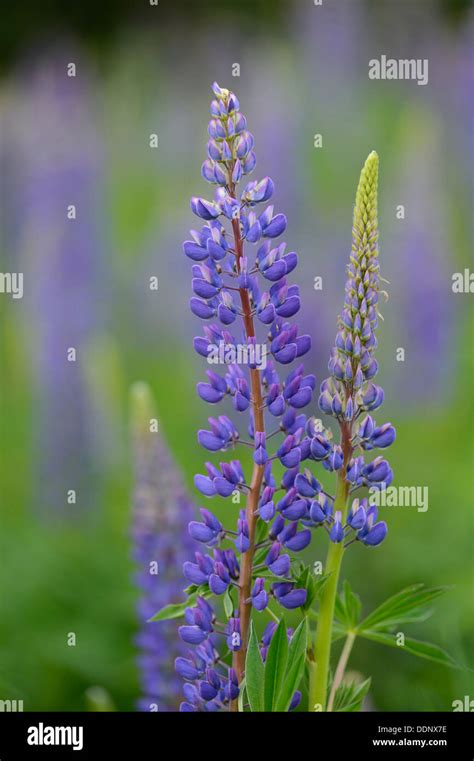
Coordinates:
x,y
84,140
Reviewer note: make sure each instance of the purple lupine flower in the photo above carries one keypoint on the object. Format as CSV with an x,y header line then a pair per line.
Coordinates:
x,y
277,563
259,595
207,687
336,533
240,278
350,391
161,511
208,531
288,596
357,515
372,533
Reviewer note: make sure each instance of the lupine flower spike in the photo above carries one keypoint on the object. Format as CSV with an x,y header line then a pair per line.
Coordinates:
x,y
240,282
248,566
350,395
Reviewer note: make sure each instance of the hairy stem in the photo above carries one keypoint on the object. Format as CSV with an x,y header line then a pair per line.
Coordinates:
x,y
319,672
341,667
246,568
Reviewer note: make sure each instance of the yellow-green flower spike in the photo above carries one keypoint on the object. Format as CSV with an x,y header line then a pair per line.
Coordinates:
x,y
350,387
365,226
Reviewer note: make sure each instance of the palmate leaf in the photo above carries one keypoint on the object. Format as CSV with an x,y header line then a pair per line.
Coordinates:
x,y
414,646
254,673
408,606
349,697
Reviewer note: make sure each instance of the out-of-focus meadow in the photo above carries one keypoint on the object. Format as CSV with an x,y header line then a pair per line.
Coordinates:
x,y
84,140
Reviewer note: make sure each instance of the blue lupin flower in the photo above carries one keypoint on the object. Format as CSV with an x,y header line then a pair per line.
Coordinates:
x,y
233,286
243,295
259,595
208,531
372,533
336,533
349,393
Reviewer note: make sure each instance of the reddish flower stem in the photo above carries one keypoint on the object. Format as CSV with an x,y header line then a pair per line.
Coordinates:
x,y
246,568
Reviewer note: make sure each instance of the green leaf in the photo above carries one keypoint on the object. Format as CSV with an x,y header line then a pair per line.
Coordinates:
x,y
260,556
228,603
311,593
261,532
353,604
349,697
313,585
348,606
195,590
254,673
306,581
295,667
299,568
407,606
241,698
298,643
339,609
175,610
413,646
275,666
266,574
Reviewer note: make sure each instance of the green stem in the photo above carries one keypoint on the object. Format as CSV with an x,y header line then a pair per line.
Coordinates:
x,y
272,614
322,648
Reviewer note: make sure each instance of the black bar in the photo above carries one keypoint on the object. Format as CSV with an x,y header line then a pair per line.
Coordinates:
x,y
137,735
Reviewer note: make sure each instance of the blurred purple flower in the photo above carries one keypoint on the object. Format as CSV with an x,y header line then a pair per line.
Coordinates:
x,y
54,163
161,512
